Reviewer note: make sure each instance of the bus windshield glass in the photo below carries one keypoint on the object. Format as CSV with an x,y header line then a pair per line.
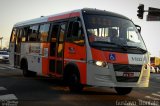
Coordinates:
x,y
113,32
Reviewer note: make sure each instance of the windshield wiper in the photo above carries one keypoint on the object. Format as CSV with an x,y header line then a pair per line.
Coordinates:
x,y
138,48
121,45
111,43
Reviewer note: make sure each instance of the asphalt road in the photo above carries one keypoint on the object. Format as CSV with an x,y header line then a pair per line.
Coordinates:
x,y
16,90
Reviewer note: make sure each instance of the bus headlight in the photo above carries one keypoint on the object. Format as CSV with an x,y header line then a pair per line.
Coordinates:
x,y
99,63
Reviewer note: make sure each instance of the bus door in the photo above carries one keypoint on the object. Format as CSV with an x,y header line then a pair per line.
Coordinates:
x,y
17,49
56,49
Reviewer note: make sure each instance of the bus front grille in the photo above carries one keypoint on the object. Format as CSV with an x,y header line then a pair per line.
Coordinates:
x,y
126,79
127,68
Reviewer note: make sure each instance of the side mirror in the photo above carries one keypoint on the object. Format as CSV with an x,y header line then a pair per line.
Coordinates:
x,y
138,28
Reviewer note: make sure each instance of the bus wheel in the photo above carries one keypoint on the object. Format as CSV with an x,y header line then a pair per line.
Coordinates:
x,y
123,90
74,83
26,72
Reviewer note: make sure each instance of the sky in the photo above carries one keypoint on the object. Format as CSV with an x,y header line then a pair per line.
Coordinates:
x,y
13,11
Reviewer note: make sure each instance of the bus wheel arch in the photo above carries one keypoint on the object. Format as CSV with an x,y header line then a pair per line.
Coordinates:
x,y
24,67
72,77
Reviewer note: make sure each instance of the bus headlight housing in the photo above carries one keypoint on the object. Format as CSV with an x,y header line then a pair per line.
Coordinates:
x,y
99,63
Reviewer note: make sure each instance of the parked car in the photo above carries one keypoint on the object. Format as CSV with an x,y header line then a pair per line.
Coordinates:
x,y
4,56
152,69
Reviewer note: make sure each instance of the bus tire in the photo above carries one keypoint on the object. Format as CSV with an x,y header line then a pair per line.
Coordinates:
x,y
123,90
74,83
26,72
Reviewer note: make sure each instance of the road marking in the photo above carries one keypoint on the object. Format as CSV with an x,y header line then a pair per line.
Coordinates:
x,y
2,88
153,98
8,97
154,94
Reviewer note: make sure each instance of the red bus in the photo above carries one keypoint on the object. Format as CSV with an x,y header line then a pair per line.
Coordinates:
x,y
82,47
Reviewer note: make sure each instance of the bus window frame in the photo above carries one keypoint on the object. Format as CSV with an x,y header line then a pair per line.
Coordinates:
x,y
30,26
58,38
26,35
58,22
70,40
14,28
49,31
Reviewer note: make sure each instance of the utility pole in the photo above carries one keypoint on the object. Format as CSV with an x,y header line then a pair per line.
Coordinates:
x,y
1,42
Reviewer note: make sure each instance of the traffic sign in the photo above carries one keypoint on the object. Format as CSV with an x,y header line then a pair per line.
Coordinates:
x,y
153,18
153,14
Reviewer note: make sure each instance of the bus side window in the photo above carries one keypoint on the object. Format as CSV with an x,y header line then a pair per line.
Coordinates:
x,y
75,33
13,36
17,36
61,39
44,32
69,30
53,39
54,33
33,32
24,34
20,35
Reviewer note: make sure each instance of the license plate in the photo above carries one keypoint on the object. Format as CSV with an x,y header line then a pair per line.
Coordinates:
x,y
128,74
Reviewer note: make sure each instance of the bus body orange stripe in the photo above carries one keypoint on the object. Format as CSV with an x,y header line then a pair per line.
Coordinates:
x,y
65,16
121,58
45,60
78,53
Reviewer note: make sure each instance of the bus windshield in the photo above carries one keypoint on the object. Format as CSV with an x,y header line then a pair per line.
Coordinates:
x,y
110,32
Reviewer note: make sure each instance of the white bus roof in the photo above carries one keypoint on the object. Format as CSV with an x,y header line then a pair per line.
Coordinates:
x,y
45,18
68,14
